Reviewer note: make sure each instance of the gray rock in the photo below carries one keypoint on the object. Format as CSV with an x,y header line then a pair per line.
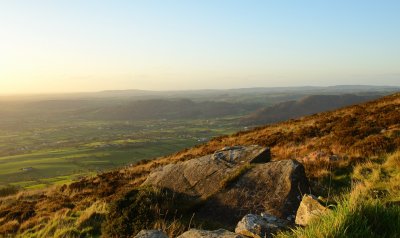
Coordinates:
x,y
309,209
151,234
238,154
274,187
260,226
201,177
231,188
221,233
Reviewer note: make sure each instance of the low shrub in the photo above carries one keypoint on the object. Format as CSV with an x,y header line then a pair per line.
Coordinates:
x,y
146,208
8,190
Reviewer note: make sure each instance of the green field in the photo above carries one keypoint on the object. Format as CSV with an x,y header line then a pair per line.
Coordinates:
x,y
38,154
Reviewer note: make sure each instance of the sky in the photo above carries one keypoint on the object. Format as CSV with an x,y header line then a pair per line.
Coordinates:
x,y
49,46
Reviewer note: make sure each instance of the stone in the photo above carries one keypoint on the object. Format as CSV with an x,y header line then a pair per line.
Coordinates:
x,y
309,209
200,177
221,233
275,188
229,184
235,154
260,226
151,234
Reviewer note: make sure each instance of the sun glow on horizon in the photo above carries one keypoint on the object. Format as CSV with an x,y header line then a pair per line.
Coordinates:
x,y
75,46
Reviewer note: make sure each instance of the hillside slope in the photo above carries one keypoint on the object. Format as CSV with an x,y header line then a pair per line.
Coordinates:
x,y
305,106
168,109
328,144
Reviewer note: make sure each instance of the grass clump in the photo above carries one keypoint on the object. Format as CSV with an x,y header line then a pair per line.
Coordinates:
x,y
68,223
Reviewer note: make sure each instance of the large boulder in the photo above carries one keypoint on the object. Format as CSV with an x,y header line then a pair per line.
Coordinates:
x,y
260,226
151,234
236,181
200,177
221,233
309,209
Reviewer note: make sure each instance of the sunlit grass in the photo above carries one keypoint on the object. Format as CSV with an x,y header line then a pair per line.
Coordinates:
x,y
366,211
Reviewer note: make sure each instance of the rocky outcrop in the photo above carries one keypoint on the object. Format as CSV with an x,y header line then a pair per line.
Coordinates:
x,y
309,209
151,234
274,187
221,233
236,181
260,226
200,177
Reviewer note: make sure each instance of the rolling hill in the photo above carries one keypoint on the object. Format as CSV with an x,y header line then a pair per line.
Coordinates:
x,y
305,106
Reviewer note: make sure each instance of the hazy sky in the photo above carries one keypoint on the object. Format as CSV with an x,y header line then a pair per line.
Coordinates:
x,y
76,45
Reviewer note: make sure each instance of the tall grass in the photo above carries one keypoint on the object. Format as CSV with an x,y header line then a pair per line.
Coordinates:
x,y
365,219
366,211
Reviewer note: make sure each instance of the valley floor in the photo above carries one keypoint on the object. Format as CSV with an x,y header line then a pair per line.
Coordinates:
x,y
44,154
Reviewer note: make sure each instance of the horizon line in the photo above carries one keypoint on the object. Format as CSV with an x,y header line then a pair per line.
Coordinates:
x,y
191,90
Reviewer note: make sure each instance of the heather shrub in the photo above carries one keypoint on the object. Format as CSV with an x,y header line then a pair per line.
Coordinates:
x,y
373,145
146,208
8,190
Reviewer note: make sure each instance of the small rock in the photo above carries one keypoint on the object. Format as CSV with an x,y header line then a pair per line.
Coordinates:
x,y
260,226
334,158
309,209
221,233
291,218
151,234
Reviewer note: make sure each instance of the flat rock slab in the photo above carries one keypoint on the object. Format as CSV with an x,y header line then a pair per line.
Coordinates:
x,y
221,233
242,154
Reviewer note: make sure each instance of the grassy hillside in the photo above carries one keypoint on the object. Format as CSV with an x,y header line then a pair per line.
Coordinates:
x,y
335,148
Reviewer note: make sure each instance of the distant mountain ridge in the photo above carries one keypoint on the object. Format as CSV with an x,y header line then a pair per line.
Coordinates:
x,y
206,93
305,106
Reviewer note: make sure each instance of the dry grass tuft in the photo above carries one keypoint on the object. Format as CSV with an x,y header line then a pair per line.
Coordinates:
x,y
9,227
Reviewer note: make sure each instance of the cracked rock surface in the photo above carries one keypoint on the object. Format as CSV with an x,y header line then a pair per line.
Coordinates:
x,y
235,181
201,177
